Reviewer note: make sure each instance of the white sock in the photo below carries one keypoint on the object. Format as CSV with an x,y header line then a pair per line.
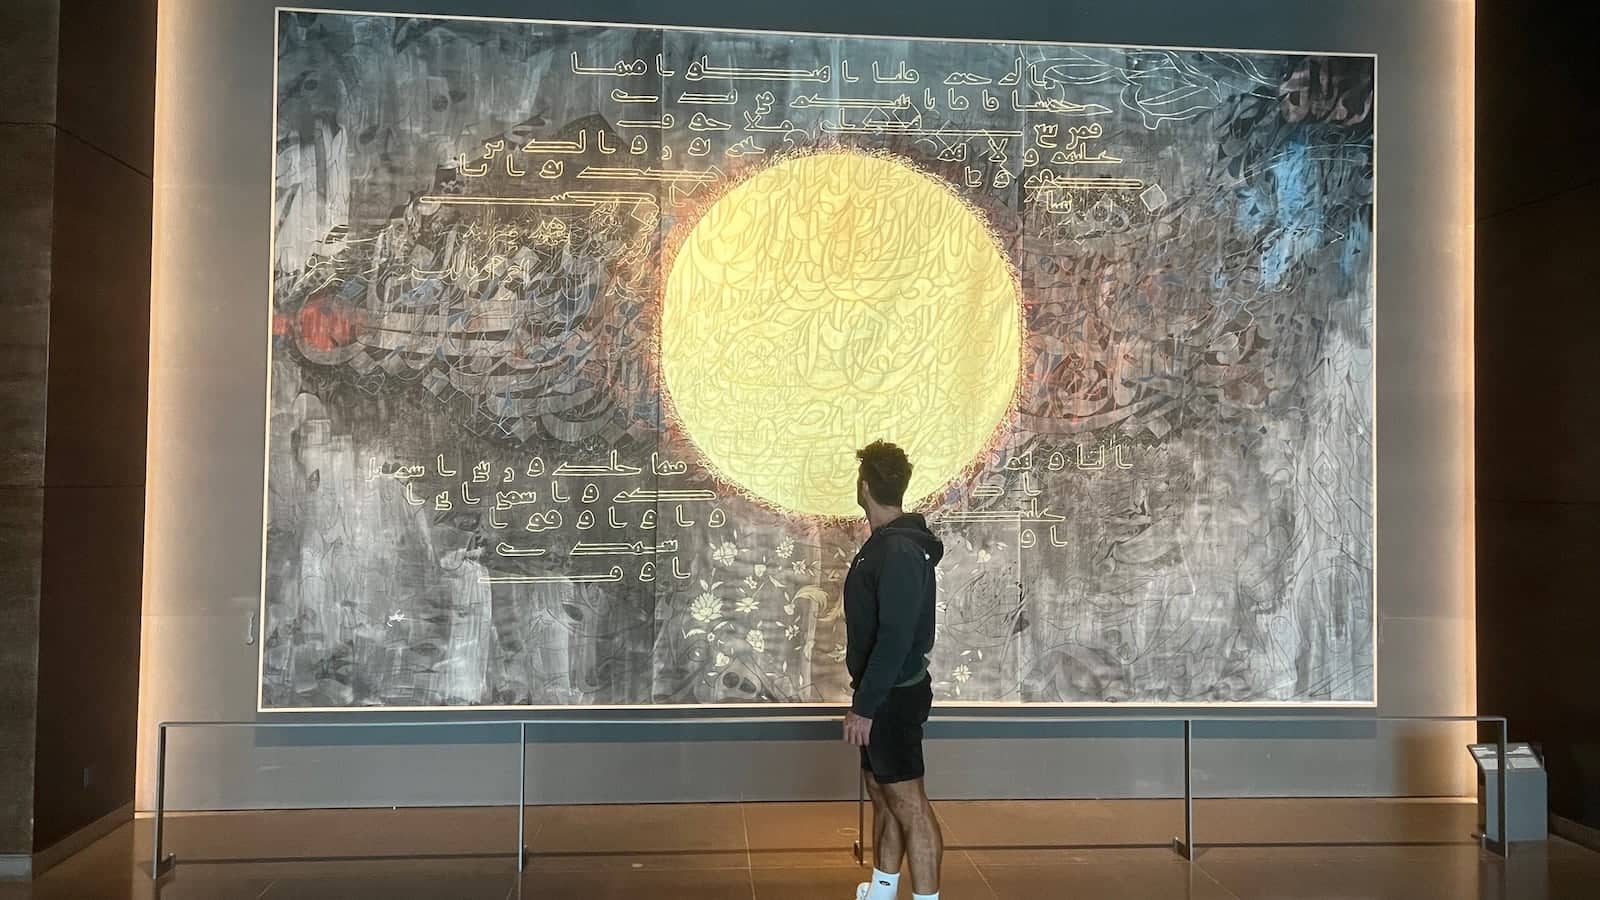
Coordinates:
x,y
924,897
884,885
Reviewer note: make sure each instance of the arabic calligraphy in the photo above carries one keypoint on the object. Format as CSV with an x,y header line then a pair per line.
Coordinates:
x,y
702,68
612,576
652,286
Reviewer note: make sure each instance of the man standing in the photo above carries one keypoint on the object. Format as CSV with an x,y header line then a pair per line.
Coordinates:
x,y
889,613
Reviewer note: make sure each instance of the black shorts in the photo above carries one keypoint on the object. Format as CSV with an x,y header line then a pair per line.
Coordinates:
x,y
894,750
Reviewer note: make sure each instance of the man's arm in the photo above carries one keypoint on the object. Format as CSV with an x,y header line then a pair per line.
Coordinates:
x,y
899,606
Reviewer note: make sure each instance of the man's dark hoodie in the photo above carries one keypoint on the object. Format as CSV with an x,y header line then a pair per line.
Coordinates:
x,y
889,600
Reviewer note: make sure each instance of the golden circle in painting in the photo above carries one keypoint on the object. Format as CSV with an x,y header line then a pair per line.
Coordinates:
x,y
830,300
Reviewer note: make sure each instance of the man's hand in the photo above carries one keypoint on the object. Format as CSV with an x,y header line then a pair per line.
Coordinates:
x,y
856,729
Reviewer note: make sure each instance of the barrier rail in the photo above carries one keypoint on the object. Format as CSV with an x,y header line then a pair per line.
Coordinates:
x,y
1184,846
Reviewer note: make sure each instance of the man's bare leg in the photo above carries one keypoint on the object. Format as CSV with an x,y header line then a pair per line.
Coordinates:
x,y
888,842
924,842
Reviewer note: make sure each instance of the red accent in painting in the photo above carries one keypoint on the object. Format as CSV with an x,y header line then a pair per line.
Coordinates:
x,y
327,324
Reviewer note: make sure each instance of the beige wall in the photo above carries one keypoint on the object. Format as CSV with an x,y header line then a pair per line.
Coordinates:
x,y
205,475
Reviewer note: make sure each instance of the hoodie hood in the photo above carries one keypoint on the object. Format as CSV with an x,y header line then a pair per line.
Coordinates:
x,y
914,526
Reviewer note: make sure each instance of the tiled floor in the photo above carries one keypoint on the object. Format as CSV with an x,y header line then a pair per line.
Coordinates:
x,y
1095,850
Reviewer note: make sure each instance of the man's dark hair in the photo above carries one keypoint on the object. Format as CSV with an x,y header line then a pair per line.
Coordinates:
x,y
886,471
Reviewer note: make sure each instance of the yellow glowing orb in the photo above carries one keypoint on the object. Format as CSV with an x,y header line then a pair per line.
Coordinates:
x,y
828,301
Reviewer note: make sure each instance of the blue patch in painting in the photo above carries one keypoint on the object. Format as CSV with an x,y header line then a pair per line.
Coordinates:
x,y
1297,221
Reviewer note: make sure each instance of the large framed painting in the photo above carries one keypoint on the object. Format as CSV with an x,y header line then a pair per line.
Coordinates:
x,y
575,329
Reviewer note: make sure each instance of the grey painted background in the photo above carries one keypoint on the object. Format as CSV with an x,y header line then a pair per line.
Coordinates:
x,y
1181,511
208,390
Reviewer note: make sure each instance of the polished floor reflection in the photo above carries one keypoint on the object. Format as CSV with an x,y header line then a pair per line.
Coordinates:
x,y
1003,850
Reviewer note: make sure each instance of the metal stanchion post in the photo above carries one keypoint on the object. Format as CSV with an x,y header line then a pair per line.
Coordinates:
x,y
160,865
522,795
1500,789
1185,845
861,817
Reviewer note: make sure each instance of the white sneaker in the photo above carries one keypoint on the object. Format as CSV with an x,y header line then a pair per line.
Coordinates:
x,y
863,889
